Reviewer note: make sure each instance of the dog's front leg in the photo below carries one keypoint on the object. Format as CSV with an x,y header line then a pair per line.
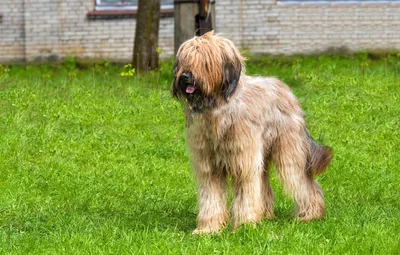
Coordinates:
x,y
248,204
213,214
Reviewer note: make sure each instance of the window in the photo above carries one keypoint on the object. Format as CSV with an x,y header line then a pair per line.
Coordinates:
x,y
104,5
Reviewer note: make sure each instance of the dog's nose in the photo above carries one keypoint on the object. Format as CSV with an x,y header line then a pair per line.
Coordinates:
x,y
187,78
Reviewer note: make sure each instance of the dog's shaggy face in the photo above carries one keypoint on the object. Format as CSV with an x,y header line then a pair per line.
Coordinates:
x,y
207,71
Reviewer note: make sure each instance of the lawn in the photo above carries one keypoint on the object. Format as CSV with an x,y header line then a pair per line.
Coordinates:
x,y
93,161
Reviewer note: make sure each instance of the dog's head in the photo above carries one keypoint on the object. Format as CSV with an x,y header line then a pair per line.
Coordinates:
x,y
206,71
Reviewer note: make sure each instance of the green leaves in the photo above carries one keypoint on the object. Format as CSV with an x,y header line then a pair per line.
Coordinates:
x,y
128,71
4,70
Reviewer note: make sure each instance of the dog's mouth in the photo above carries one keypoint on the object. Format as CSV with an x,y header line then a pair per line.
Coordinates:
x,y
190,88
187,83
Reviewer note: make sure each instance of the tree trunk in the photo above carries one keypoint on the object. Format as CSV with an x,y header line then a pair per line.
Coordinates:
x,y
145,55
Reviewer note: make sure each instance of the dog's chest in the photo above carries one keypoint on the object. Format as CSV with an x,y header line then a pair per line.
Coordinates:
x,y
225,137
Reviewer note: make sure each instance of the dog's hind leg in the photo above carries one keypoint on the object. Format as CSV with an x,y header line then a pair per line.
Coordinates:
x,y
290,157
267,193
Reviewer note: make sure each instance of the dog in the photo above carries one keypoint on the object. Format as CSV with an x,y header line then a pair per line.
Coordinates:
x,y
239,125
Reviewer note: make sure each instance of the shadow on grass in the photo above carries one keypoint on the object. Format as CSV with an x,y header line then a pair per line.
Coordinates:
x,y
163,216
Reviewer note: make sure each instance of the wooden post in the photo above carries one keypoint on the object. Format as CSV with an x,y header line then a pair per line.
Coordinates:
x,y
192,17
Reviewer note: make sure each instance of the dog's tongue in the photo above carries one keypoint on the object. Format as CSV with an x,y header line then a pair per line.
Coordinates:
x,y
190,89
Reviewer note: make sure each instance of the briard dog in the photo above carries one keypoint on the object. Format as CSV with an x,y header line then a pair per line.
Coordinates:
x,y
239,125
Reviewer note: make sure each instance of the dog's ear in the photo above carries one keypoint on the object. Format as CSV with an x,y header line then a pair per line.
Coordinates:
x,y
175,85
230,78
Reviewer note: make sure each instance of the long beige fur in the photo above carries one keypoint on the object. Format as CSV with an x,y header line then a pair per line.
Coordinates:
x,y
241,133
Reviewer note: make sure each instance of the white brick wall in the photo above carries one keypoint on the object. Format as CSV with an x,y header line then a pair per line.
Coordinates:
x,y
55,29
42,29
12,30
276,28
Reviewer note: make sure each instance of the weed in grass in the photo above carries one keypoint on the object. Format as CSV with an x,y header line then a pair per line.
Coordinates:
x,y
364,66
397,64
128,71
4,71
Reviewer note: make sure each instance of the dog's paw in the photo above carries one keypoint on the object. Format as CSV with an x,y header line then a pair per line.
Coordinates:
x,y
269,214
246,225
316,213
206,231
309,217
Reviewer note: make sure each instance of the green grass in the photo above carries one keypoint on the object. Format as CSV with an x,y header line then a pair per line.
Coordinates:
x,y
95,163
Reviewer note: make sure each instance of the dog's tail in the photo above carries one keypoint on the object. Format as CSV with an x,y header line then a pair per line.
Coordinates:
x,y
319,157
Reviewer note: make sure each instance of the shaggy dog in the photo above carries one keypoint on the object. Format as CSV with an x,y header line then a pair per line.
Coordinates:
x,y
239,125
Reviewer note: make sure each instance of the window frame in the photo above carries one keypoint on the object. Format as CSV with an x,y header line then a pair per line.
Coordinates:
x,y
128,7
123,12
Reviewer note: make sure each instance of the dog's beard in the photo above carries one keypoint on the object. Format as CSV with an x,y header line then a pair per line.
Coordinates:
x,y
194,96
196,99
199,103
